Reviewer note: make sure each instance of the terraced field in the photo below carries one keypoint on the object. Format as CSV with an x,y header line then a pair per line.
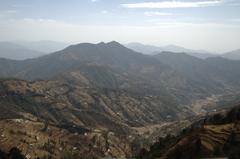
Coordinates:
x,y
34,139
214,136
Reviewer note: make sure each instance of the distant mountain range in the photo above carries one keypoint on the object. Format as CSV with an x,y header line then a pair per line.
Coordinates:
x,y
152,50
43,46
20,50
17,52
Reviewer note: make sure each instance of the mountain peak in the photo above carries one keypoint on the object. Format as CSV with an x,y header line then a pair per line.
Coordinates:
x,y
83,46
113,42
101,43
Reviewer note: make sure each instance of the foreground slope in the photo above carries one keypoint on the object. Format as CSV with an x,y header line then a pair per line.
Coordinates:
x,y
36,139
104,119
217,135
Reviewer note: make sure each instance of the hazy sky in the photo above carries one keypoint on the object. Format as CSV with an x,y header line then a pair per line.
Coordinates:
x,y
213,25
